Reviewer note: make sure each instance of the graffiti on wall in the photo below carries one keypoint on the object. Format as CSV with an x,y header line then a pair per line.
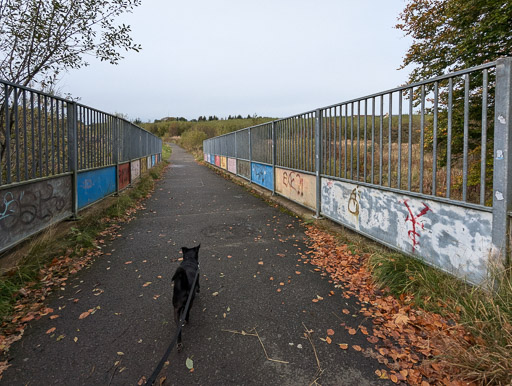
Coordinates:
x,y
205,157
26,209
450,237
262,175
223,162
416,224
296,186
93,185
217,160
232,165
134,170
153,158
124,175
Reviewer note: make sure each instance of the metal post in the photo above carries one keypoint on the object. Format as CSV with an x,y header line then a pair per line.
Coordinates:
x,y
502,178
318,160
73,155
250,156
117,142
274,156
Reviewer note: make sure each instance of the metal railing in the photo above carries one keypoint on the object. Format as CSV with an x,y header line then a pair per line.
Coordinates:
x,y
36,129
444,139
44,138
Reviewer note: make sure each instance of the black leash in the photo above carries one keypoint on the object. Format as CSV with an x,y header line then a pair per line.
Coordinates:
x,y
153,376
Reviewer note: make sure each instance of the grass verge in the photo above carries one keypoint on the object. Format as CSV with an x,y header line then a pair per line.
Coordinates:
x,y
48,248
485,355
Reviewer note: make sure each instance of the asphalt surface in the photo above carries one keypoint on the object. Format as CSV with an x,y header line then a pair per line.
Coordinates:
x,y
253,280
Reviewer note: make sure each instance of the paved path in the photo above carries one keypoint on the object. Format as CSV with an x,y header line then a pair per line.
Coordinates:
x,y
248,248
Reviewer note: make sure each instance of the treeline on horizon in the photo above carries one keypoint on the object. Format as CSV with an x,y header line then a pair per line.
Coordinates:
x,y
191,133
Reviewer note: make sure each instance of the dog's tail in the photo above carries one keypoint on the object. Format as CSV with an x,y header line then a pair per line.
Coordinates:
x,y
181,275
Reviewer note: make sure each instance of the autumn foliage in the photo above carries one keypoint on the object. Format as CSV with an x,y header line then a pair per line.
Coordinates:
x,y
410,341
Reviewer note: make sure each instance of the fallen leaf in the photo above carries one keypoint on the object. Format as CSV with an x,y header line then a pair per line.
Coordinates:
x,y
260,262
345,311
75,339
357,347
51,330
189,363
393,378
352,331
84,315
343,346
146,284
54,317
60,337
330,331
129,262
328,340
120,353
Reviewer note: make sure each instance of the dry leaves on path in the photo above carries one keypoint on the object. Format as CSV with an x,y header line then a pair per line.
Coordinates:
x,y
404,338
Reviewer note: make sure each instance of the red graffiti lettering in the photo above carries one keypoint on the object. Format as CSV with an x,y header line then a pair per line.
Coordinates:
x,y
415,224
294,181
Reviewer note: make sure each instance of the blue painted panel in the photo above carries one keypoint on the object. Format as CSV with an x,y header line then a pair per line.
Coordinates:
x,y
212,159
262,175
152,160
95,184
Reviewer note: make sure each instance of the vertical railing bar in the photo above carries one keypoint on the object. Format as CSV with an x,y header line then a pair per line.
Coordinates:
x,y
358,138
65,161
422,136
7,134
40,136
25,139
17,133
381,138
352,141
346,139
466,139
483,157
390,143
57,123
434,136
365,139
399,140
33,133
52,125
409,149
330,141
373,141
47,162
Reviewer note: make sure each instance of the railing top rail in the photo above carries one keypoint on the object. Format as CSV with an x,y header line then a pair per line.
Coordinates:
x,y
396,89
10,84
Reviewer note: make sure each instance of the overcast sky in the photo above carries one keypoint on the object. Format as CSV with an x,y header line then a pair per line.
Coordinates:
x,y
228,57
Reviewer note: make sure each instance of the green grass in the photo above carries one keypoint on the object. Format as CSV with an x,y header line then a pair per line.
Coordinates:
x,y
484,313
75,243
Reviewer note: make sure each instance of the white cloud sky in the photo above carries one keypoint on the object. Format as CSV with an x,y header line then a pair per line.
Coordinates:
x,y
271,57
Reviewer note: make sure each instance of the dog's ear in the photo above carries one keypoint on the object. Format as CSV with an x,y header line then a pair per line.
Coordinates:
x,y
184,249
197,248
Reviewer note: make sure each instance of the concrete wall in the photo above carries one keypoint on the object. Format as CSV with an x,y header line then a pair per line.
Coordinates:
x,y
28,208
455,239
124,175
299,187
262,175
93,185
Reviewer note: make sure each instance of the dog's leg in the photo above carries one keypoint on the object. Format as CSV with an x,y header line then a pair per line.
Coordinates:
x,y
177,316
197,287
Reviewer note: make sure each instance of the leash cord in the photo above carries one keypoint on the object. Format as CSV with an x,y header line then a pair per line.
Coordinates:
x,y
158,368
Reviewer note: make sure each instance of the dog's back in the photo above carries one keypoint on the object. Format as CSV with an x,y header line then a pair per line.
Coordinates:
x,y
183,280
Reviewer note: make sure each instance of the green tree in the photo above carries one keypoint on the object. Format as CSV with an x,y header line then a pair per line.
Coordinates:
x,y
40,39
450,35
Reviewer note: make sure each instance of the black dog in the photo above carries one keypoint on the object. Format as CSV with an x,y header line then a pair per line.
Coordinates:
x,y
183,280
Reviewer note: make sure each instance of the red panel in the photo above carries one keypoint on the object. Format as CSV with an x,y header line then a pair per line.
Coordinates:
x,y
124,175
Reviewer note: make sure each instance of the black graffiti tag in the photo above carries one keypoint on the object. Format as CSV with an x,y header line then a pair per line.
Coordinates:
x,y
28,206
